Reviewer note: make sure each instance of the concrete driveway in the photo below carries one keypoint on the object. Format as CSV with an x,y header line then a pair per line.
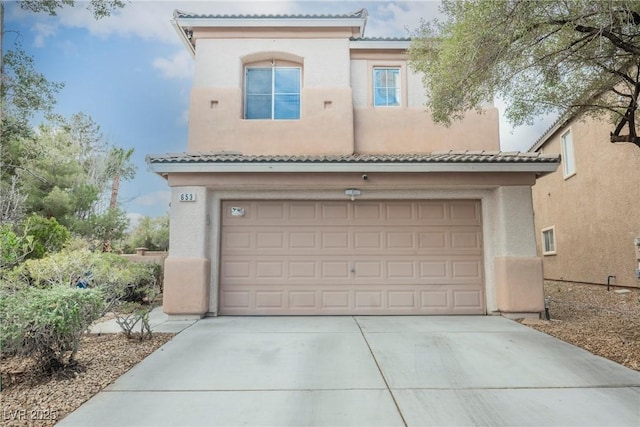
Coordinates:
x,y
366,371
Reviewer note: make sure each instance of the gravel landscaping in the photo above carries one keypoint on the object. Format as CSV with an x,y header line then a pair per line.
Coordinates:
x,y
606,323
28,399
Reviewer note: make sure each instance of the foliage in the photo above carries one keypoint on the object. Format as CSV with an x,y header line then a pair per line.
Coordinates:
x,y
150,233
573,56
117,278
48,235
99,8
13,248
46,324
110,225
24,91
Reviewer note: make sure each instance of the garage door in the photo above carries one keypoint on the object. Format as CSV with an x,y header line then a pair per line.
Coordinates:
x,y
341,257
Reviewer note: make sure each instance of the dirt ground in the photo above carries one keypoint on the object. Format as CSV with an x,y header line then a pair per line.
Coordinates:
x,y
27,399
606,323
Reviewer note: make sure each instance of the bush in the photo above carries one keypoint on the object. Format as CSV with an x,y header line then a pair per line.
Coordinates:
x,y
46,324
48,235
116,277
13,248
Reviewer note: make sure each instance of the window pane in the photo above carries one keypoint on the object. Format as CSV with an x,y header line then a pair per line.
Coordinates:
x,y
549,245
258,107
287,80
258,81
286,107
386,86
257,102
568,157
272,93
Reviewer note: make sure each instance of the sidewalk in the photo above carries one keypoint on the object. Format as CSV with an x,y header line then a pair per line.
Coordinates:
x,y
159,321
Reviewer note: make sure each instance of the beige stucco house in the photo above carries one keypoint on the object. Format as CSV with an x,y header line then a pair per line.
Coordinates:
x,y
587,213
315,182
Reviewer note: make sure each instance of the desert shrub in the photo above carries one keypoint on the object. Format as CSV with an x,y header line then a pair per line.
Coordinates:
x,y
48,235
47,324
117,278
13,247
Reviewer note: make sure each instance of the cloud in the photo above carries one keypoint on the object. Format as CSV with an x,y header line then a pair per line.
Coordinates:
x,y
177,66
157,198
151,20
399,19
42,30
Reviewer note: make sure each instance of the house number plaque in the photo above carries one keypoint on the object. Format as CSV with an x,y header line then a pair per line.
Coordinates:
x,y
187,197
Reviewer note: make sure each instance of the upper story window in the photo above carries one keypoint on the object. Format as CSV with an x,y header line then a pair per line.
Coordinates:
x,y
386,86
568,156
272,93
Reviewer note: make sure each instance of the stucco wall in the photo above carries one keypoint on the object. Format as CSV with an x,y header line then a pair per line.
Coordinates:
x,y
512,271
596,212
337,112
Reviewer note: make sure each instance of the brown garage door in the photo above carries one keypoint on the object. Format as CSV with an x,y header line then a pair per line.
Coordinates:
x,y
341,257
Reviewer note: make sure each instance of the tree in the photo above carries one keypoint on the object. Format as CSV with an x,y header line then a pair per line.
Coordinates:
x,y
561,56
119,166
150,233
99,8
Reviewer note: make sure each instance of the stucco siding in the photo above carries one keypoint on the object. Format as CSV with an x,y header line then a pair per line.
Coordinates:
x,y
411,130
219,61
596,212
325,125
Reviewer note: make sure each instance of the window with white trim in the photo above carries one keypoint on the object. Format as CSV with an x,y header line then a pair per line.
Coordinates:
x,y
272,93
568,156
386,86
548,241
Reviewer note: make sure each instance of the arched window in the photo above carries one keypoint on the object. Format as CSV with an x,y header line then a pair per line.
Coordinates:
x,y
272,90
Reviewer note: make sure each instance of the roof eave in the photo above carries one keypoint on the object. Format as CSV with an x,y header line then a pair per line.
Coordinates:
x,y
183,37
379,44
402,167
271,22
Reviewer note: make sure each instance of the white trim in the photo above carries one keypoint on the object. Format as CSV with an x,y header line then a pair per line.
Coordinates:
x,y
183,38
379,44
248,167
566,159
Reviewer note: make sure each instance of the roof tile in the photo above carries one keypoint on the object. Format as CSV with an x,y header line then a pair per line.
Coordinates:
x,y
436,157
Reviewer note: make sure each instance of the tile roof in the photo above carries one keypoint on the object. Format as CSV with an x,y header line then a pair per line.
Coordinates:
x,y
435,157
362,13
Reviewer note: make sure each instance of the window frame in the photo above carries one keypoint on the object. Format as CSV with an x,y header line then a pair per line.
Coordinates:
x,y
568,154
398,89
552,248
273,93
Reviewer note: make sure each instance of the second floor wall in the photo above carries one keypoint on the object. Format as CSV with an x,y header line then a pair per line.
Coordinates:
x,y
318,95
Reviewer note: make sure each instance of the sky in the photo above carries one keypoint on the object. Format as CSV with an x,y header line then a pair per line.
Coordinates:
x,y
132,75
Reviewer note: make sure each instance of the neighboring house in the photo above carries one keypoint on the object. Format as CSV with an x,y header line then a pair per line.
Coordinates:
x,y
587,213
315,182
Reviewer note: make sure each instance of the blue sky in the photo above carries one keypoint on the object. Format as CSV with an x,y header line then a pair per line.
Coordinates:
x,y
132,75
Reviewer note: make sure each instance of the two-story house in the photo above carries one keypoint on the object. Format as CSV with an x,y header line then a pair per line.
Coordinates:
x,y
315,182
587,213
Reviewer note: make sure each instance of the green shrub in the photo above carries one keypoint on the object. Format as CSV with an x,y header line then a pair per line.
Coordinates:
x,y
116,277
13,248
47,324
48,235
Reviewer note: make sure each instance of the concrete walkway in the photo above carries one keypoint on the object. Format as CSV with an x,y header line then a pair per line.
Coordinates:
x,y
158,321
366,371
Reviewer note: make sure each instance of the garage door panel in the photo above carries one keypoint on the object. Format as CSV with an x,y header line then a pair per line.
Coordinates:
x,y
441,299
400,257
